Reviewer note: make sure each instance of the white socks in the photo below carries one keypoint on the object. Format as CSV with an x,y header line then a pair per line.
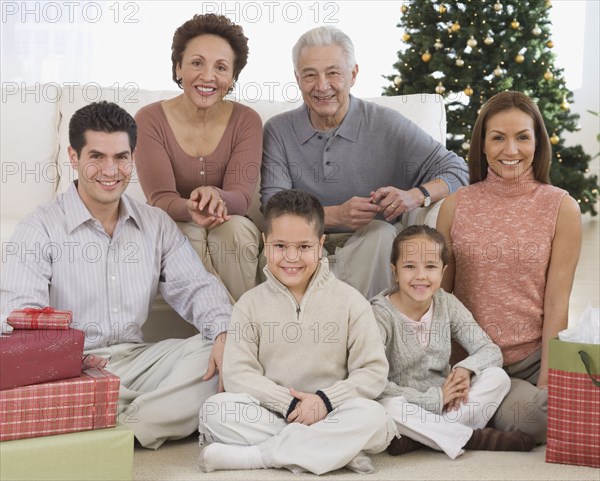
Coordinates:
x,y
361,464
218,456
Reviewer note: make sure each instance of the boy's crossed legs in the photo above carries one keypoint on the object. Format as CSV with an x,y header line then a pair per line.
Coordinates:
x,y
255,437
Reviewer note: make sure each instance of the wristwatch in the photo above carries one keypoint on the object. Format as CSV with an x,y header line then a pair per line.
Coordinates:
x,y
427,200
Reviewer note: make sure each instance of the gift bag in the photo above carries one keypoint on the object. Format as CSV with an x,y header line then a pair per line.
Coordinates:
x,y
573,403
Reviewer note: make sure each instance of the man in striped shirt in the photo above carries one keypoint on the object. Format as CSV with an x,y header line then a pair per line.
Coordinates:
x,y
104,256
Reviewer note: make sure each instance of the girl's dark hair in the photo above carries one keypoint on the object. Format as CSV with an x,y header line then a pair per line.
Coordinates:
x,y
210,24
419,231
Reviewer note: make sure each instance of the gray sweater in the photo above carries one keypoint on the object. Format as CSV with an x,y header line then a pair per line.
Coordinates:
x,y
417,374
373,147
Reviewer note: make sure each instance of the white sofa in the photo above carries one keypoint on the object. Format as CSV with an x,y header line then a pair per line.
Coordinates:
x,y
35,165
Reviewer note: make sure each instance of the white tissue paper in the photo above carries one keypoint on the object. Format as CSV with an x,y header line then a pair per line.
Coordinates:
x,y
587,329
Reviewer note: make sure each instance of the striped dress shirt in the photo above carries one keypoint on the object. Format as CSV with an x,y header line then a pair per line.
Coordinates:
x,y
60,256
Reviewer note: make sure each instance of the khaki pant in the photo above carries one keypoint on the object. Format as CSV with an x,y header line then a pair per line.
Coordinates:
x,y
161,386
229,251
356,425
525,407
362,258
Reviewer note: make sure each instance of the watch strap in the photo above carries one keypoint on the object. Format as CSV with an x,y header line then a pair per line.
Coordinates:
x,y
425,192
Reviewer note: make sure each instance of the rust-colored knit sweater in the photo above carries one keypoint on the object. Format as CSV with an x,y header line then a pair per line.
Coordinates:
x,y
502,239
168,174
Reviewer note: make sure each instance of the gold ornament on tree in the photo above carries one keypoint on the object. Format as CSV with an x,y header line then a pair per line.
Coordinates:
x,y
498,71
405,37
455,27
537,31
442,8
555,139
397,80
515,24
550,44
426,57
459,62
404,9
472,42
498,7
438,44
519,58
564,104
466,145
440,89
548,75
468,91
488,40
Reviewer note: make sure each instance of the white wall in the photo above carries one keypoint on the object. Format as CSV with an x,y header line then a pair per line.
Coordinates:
x,y
127,44
577,47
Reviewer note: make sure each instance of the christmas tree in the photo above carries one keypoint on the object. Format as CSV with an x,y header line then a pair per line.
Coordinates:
x,y
469,50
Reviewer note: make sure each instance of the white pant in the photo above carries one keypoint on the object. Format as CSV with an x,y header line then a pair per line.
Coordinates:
x,y
356,425
161,386
450,431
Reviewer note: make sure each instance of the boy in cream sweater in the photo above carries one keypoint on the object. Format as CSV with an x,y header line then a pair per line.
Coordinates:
x,y
303,362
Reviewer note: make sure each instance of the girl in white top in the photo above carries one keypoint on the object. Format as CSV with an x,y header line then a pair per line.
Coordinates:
x,y
432,403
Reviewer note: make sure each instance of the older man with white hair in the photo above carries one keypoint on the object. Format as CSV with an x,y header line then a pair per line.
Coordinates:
x,y
367,164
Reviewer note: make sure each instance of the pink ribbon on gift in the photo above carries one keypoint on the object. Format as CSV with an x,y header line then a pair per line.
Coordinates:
x,y
35,314
90,361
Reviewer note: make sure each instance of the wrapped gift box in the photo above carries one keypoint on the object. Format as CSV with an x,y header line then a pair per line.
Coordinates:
x,y
46,318
106,454
37,356
76,404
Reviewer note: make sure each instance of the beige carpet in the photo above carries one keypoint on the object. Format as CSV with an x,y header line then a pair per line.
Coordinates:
x,y
177,461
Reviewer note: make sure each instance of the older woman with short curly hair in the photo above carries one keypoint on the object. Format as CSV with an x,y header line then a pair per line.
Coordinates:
x,y
199,155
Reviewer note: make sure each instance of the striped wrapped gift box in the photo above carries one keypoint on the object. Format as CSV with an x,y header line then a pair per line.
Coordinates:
x,y
46,318
77,404
573,404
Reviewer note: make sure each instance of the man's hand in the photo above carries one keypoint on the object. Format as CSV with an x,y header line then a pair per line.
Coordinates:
x,y
207,208
394,202
355,213
215,361
309,409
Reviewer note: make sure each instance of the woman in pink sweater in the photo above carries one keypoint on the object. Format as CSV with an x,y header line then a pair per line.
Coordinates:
x,y
198,156
515,242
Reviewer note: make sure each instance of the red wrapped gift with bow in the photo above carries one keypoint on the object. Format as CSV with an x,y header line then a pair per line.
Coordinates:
x,y
46,318
77,404
32,357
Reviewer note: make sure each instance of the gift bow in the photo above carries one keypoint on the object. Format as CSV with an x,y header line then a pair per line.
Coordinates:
x,y
35,314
